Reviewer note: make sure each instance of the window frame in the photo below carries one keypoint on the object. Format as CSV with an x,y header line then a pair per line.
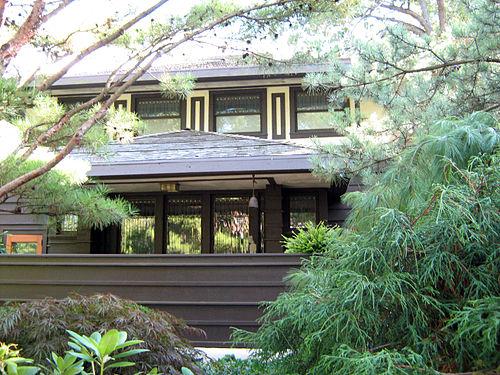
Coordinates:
x,y
13,238
156,96
297,133
263,110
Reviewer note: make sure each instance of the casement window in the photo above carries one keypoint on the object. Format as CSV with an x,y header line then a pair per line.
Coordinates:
x,y
137,233
240,112
160,114
231,224
183,225
310,114
303,209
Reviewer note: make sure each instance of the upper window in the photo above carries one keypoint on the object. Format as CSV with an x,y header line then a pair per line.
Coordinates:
x,y
239,112
311,113
159,114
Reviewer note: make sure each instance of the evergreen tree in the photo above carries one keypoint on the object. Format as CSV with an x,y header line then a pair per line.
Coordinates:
x,y
411,284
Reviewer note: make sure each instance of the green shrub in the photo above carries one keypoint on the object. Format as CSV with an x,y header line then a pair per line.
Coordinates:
x,y
39,327
312,239
11,361
230,365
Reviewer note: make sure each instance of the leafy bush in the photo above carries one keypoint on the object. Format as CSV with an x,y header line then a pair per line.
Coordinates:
x,y
312,239
230,365
40,328
12,363
410,286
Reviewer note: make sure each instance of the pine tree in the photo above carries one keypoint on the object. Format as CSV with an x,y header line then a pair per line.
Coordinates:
x,y
410,286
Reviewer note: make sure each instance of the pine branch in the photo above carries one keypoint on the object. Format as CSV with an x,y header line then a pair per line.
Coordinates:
x,y
101,113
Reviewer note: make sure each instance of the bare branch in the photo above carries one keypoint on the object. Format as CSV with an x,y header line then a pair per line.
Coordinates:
x,y
100,43
442,15
61,6
410,13
102,111
411,27
425,15
2,10
25,33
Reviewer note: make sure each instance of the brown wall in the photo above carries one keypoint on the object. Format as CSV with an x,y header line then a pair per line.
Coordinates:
x,y
22,223
212,292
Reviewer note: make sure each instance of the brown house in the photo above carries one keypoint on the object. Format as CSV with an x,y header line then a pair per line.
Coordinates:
x,y
217,180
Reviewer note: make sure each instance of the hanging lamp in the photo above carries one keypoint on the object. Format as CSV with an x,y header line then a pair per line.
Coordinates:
x,y
253,202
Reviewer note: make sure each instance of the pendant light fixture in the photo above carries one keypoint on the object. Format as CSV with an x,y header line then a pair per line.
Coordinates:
x,y
253,202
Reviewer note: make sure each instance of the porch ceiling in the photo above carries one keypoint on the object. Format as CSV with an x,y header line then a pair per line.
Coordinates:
x,y
229,182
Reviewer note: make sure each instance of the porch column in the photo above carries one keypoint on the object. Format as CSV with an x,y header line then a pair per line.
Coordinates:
x,y
273,219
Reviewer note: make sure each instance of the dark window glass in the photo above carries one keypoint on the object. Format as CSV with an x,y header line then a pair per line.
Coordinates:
x,y
138,232
158,108
312,111
184,225
73,100
302,210
159,114
238,113
231,225
307,102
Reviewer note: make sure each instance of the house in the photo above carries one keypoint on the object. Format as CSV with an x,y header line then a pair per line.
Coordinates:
x,y
217,180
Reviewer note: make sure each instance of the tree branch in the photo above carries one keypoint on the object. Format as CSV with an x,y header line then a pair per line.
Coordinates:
x,y
100,43
25,33
425,15
101,113
2,10
442,15
410,13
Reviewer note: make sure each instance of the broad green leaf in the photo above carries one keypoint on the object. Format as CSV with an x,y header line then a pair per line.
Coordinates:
x,y
129,353
120,364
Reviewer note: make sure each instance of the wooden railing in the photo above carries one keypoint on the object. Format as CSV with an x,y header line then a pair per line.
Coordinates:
x,y
211,292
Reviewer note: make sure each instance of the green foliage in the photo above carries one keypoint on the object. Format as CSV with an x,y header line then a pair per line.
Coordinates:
x,y
13,100
411,285
230,365
56,193
178,85
312,239
418,79
40,328
11,363
67,365
103,351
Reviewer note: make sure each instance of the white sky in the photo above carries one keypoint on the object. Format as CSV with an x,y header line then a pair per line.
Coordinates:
x,y
84,14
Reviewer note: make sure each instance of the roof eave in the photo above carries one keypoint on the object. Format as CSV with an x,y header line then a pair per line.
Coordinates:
x,y
178,168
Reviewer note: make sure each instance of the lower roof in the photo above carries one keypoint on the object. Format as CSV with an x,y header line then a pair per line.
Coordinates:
x,y
188,153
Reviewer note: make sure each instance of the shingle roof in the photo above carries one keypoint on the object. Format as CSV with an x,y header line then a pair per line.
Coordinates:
x,y
206,69
195,152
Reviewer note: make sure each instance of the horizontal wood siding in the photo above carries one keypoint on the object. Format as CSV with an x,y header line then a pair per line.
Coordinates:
x,y
212,292
77,243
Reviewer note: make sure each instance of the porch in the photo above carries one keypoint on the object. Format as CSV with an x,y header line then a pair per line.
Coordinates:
x,y
212,292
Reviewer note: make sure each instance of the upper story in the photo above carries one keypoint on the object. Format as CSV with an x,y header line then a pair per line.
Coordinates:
x,y
228,99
